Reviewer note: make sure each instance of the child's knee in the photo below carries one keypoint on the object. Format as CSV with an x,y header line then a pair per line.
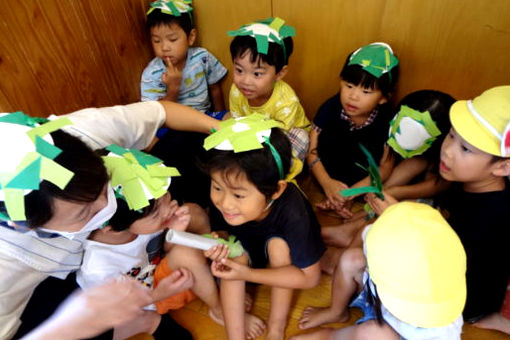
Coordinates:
x,y
353,259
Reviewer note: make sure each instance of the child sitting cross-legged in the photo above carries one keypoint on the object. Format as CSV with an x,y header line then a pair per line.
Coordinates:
x,y
132,244
248,159
408,279
260,53
358,114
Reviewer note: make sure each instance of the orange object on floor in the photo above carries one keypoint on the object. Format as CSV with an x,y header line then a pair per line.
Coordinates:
x,y
175,301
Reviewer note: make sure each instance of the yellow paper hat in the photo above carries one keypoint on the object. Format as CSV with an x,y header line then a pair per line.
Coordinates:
x,y
418,265
484,122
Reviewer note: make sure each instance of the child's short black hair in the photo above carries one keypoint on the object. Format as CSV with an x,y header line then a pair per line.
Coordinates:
x,y
124,217
438,104
157,18
355,74
89,180
259,165
276,56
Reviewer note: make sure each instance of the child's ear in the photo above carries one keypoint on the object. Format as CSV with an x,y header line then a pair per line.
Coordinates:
x,y
502,168
383,100
192,36
282,185
282,73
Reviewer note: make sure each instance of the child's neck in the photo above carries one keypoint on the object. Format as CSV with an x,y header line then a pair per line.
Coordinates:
x,y
113,237
259,101
493,183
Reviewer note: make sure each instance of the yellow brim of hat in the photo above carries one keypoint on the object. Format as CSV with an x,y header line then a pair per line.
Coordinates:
x,y
472,131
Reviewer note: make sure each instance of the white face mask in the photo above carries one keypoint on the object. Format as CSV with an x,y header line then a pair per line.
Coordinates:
x,y
95,222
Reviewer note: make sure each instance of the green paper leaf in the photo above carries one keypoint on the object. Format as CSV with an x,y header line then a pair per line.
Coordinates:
x,y
15,204
28,178
46,149
55,173
262,43
52,125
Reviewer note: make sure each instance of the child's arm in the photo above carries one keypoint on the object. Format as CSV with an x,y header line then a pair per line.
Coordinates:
x,y
430,187
217,97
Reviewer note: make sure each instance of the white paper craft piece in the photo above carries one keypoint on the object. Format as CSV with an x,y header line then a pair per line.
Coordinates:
x,y
190,240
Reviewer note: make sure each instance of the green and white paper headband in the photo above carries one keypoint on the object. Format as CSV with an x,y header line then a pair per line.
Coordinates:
x,y
376,58
266,31
412,132
245,134
172,7
136,176
27,152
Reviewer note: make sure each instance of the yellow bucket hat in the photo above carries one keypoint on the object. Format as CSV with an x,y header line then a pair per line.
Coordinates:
x,y
484,122
417,264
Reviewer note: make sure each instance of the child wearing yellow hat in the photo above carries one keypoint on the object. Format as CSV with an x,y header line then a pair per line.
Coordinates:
x,y
476,153
410,276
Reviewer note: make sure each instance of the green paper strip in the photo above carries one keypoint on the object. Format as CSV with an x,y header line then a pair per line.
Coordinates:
x,y
55,173
20,118
15,204
262,43
46,149
359,191
277,24
52,125
28,178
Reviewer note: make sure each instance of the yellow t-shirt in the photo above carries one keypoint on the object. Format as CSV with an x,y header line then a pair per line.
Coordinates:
x,y
282,106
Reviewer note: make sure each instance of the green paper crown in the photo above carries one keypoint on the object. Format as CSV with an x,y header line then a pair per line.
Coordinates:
x,y
137,176
420,132
241,134
172,7
266,31
375,58
36,164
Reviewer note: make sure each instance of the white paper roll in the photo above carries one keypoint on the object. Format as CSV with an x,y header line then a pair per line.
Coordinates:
x,y
190,240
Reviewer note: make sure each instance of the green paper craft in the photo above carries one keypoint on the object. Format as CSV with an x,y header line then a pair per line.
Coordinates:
x,y
133,170
264,35
241,140
235,248
46,128
172,7
375,178
15,204
22,119
424,119
46,149
375,59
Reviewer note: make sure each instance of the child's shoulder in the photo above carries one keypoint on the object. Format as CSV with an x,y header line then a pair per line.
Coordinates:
x,y
156,65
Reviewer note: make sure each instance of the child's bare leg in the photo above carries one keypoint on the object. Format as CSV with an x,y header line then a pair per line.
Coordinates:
x,y
281,298
238,323
330,259
366,331
494,321
347,280
204,285
148,322
343,234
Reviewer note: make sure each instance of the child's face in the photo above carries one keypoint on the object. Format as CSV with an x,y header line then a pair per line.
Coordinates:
x,y
171,43
359,101
462,162
255,80
157,220
238,200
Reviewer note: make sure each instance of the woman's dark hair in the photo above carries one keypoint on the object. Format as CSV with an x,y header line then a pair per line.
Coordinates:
x,y
276,56
438,104
88,181
259,165
157,18
124,217
355,74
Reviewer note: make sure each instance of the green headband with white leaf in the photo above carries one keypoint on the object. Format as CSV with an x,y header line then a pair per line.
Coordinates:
x,y
266,31
245,134
172,7
412,132
137,176
376,58
27,152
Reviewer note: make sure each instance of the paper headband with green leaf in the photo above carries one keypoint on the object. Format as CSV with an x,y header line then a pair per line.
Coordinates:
x,y
266,31
376,58
412,132
27,152
172,7
245,134
136,176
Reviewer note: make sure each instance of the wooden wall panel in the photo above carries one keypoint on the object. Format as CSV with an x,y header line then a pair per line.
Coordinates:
x,y
460,47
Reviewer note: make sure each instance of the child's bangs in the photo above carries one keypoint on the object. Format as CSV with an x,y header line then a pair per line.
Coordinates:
x,y
354,74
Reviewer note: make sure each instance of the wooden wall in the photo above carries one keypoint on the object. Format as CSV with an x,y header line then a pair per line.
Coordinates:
x,y
59,56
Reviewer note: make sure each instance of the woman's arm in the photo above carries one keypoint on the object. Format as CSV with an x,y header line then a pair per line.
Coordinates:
x,y
181,117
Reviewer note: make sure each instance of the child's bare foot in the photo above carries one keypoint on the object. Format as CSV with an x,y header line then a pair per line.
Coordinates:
x,y
217,316
316,316
494,321
329,260
254,326
248,302
322,334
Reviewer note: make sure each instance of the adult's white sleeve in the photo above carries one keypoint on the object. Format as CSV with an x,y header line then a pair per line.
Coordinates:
x,y
131,126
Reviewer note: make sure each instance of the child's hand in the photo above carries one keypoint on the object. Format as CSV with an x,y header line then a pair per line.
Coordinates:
x,y
378,205
180,218
172,79
180,280
229,270
332,190
217,252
